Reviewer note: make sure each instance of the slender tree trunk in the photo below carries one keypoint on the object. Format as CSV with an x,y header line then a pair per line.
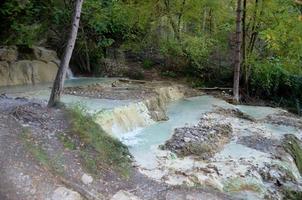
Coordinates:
x,y
244,65
238,51
58,85
204,21
87,63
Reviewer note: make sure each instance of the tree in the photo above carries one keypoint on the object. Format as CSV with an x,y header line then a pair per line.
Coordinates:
x,y
58,85
238,51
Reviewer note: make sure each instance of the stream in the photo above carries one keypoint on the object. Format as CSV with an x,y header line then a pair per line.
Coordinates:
x,y
235,161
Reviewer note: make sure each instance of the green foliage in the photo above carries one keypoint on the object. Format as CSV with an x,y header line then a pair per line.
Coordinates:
x,y
170,74
184,37
24,22
100,150
147,64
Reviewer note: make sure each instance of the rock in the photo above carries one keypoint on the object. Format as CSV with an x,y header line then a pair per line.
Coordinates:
x,y
4,72
86,179
62,193
45,55
124,195
293,146
9,54
202,140
27,72
40,67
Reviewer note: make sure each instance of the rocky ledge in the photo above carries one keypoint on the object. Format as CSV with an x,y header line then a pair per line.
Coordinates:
x,y
27,65
202,141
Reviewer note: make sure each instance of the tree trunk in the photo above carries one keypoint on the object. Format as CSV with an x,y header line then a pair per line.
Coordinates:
x,y
58,85
238,51
244,38
204,21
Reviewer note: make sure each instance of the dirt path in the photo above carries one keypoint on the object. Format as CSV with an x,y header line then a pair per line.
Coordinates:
x,y
34,163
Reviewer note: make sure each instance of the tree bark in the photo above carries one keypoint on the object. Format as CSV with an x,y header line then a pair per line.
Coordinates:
x,y
238,51
58,85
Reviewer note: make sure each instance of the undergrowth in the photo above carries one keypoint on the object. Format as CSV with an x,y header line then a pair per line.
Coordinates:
x,y
98,149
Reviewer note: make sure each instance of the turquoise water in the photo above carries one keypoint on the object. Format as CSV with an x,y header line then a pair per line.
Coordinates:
x,y
143,142
42,92
46,86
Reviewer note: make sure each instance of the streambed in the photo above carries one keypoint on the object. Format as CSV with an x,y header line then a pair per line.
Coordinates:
x,y
241,167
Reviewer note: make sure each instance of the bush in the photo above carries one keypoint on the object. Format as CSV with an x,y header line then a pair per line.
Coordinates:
x,y
147,64
271,80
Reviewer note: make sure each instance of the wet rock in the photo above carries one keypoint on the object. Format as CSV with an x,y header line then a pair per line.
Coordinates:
x,y
124,195
63,193
86,179
259,143
292,145
203,140
233,113
276,174
285,119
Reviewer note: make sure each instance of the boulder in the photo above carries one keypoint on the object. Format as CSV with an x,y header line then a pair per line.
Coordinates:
x,y
62,193
29,72
9,54
202,141
86,179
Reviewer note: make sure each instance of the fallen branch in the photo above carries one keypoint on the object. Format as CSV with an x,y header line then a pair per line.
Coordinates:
x,y
132,81
215,88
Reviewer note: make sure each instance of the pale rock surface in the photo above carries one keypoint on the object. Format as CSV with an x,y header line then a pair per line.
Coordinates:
x,y
86,179
62,193
124,195
19,72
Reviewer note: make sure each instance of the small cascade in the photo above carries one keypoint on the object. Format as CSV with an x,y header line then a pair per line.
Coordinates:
x,y
69,74
125,119
129,118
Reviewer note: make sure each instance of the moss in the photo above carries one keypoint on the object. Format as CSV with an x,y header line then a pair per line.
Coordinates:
x,y
292,195
106,151
292,145
243,184
203,150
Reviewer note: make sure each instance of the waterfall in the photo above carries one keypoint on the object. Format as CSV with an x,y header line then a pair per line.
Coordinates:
x,y
69,74
137,115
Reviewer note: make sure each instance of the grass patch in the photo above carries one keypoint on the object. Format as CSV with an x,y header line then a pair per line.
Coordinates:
x,y
54,164
99,150
67,142
147,64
